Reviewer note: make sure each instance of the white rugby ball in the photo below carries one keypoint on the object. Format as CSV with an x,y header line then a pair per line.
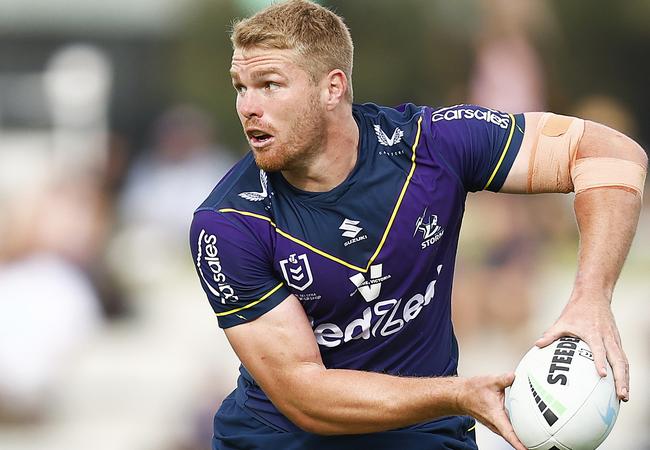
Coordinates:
x,y
558,400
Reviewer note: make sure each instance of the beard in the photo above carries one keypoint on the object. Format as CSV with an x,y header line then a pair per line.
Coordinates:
x,y
305,139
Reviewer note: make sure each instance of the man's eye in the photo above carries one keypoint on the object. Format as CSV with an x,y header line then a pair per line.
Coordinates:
x,y
271,85
239,88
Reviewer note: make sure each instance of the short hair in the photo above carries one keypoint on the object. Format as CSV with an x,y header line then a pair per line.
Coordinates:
x,y
317,34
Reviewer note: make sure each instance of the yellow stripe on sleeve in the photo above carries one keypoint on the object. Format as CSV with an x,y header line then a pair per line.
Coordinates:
x,y
250,305
503,153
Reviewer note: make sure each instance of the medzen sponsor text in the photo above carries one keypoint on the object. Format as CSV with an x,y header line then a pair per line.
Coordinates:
x,y
384,318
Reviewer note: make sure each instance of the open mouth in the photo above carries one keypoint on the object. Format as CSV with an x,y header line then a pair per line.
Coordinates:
x,y
259,138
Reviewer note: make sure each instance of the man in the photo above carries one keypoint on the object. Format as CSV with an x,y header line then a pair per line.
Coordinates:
x,y
328,252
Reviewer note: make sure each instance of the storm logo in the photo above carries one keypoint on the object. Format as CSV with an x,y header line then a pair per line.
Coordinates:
x,y
431,231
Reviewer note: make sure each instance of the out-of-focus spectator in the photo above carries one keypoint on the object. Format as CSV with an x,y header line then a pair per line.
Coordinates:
x,y
48,304
508,73
507,76
183,164
159,196
496,265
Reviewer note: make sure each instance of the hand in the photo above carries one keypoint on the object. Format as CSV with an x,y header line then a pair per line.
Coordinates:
x,y
592,321
483,399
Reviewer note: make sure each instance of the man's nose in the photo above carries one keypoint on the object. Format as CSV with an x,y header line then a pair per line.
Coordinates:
x,y
249,105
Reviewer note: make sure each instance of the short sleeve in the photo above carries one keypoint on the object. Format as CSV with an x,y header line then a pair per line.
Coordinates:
x,y
235,269
480,144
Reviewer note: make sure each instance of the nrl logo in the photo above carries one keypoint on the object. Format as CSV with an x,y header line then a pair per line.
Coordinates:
x,y
297,272
384,140
257,196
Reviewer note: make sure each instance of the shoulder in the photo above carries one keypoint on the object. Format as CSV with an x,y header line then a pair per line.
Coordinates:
x,y
437,116
390,131
403,113
237,209
478,143
467,127
244,187
392,123
384,118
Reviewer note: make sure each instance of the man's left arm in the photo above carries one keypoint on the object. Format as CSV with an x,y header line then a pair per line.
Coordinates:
x,y
606,169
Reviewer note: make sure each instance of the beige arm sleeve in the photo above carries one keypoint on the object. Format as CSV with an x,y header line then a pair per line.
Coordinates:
x,y
553,166
553,152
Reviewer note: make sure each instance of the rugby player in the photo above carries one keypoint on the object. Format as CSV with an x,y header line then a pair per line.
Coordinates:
x,y
328,251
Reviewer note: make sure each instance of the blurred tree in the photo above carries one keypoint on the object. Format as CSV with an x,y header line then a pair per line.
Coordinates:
x,y
401,54
422,51
201,60
410,52
604,50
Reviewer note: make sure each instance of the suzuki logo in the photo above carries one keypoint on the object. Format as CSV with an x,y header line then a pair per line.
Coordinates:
x,y
350,228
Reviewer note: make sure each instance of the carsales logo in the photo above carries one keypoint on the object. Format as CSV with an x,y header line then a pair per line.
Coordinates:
x,y
213,277
455,113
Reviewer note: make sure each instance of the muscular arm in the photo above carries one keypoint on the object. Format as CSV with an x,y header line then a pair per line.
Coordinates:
x,y
607,219
280,351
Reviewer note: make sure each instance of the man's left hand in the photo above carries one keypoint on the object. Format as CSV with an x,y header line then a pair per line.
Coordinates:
x,y
591,320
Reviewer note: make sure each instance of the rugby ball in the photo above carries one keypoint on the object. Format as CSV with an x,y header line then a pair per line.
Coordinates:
x,y
558,400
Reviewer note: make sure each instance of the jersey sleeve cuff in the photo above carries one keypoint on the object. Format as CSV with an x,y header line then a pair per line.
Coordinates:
x,y
254,309
508,154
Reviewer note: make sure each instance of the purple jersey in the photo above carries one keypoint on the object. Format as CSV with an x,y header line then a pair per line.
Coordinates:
x,y
371,261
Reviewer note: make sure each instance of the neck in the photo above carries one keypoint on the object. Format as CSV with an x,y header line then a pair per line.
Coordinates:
x,y
335,159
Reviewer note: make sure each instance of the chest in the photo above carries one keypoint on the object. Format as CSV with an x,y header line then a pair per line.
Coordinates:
x,y
382,242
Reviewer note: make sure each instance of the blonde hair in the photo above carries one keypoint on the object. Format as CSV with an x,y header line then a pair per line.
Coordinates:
x,y
317,34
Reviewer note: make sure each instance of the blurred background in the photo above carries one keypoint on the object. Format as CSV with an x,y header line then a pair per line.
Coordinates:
x,y
117,118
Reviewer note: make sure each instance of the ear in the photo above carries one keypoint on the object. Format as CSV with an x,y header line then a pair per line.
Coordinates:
x,y
336,87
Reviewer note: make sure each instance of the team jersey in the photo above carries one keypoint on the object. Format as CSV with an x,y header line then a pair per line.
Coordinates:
x,y
372,260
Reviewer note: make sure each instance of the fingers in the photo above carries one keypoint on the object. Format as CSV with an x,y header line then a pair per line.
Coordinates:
x,y
551,335
504,428
601,334
505,380
500,423
600,356
621,369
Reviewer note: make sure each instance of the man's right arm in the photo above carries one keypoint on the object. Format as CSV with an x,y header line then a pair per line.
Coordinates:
x,y
269,330
281,353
